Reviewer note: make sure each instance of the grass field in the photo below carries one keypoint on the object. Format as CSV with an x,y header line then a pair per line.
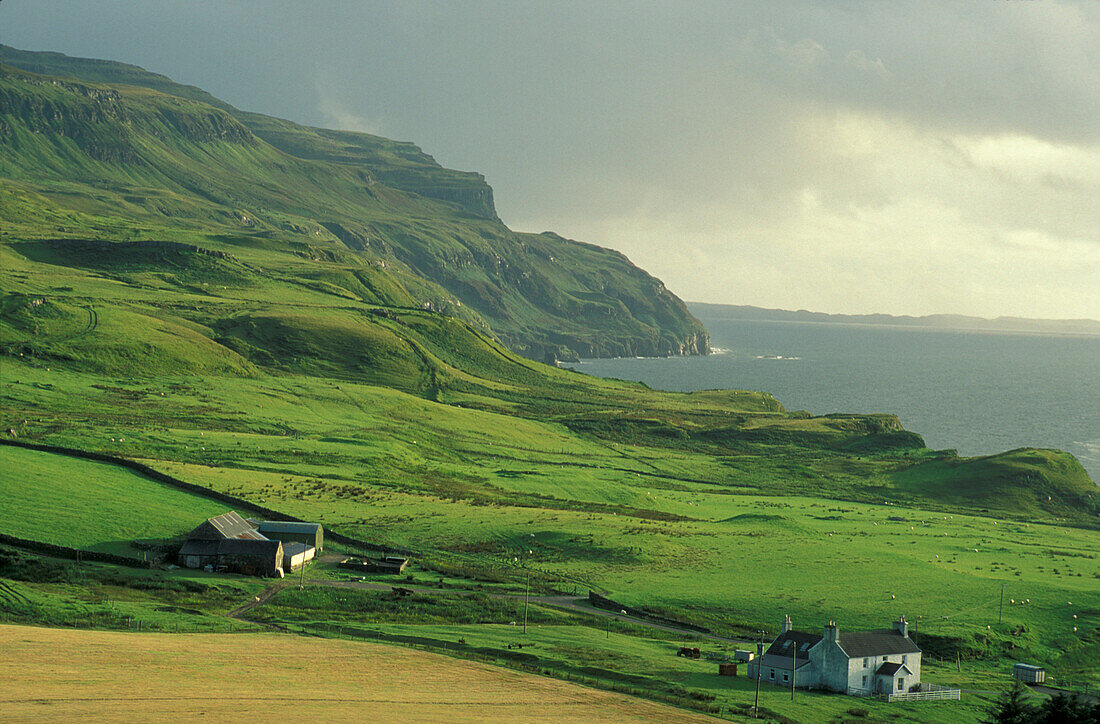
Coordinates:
x,y
91,505
106,676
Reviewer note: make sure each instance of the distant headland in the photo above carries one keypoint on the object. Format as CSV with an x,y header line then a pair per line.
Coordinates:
x,y
1089,327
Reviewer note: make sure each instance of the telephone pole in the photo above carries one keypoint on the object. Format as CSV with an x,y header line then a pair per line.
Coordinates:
x,y
759,663
794,653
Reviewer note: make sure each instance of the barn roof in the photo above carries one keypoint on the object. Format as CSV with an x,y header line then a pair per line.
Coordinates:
x,y
200,548
246,547
292,549
230,546
876,643
226,525
288,526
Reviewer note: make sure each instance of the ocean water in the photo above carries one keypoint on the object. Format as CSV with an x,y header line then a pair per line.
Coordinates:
x,y
977,392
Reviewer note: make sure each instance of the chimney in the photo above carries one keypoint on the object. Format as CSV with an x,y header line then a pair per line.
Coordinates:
x,y
901,626
786,624
832,632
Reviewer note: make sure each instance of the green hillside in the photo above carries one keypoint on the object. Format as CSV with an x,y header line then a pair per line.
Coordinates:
x,y
99,157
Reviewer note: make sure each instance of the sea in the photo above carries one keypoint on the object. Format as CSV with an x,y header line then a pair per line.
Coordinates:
x,y
976,392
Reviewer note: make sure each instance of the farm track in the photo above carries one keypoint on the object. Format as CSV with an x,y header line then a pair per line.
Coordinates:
x,y
259,600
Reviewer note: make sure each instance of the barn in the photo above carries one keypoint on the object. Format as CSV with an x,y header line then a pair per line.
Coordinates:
x,y
237,555
228,542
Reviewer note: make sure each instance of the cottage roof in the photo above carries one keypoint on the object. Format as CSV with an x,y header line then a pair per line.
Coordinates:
x,y
892,668
876,643
780,652
782,663
288,526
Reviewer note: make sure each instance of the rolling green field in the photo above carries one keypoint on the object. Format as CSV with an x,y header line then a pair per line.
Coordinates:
x,y
91,505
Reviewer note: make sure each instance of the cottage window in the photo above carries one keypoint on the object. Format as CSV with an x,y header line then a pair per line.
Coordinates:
x,y
901,684
866,663
771,673
786,677
864,682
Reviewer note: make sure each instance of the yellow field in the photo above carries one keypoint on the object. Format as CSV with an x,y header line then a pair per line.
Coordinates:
x,y
63,675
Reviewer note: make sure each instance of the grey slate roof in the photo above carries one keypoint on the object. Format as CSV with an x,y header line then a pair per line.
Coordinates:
x,y
778,655
782,663
892,668
876,643
800,640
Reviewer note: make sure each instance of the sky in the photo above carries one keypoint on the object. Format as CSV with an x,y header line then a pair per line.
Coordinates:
x,y
845,156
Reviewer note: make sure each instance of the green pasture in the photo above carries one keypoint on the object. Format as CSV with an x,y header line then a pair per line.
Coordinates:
x,y
85,504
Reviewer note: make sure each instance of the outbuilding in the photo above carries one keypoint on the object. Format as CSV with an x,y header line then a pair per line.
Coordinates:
x,y
1029,674
296,555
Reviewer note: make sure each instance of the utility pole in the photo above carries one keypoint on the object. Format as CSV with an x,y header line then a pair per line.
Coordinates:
x,y
759,663
526,599
794,653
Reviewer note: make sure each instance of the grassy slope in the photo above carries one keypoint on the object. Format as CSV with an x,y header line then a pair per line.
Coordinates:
x,y
130,152
86,504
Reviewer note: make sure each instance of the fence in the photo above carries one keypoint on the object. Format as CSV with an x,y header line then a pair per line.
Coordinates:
x,y
928,692
160,477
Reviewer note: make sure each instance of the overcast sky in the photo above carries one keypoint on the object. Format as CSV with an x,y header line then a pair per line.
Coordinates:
x,y
907,158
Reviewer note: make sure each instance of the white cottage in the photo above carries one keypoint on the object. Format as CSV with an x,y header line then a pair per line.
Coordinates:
x,y
862,663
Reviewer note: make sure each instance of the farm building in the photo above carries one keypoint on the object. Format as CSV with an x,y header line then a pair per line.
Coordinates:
x,y
388,564
1028,673
884,661
239,555
311,534
228,542
296,555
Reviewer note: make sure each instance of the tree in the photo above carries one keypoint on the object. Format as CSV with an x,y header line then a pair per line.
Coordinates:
x,y
1012,707
1067,709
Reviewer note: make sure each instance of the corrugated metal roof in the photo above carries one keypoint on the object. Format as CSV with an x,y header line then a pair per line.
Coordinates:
x,y
232,525
288,526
